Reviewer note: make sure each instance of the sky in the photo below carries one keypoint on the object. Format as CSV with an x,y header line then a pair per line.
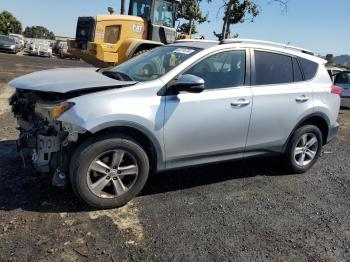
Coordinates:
x,y
318,25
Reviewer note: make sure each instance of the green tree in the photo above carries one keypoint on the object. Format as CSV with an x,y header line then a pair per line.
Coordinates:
x,y
38,32
185,29
330,59
9,24
190,11
240,11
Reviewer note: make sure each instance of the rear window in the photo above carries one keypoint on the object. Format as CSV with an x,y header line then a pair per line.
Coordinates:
x,y
271,68
309,68
342,78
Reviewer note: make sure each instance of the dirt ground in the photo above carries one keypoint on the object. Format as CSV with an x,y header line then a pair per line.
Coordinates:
x,y
237,211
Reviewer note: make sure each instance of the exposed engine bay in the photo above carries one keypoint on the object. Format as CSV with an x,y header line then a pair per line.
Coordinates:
x,y
40,99
43,139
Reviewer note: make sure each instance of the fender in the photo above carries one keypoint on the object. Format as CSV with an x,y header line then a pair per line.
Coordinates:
x,y
160,165
315,114
134,44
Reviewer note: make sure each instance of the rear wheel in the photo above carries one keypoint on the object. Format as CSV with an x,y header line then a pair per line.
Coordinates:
x,y
109,172
304,148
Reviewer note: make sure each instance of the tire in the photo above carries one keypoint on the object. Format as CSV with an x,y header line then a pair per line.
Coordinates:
x,y
104,148
297,148
140,52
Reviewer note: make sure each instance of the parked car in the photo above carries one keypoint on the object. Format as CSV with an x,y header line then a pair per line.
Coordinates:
x,y
63,52
19,39
8,44
342,79
40,48
180,105
56,47
332,71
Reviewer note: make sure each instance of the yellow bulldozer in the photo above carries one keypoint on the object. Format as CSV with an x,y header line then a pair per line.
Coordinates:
x,y
108,40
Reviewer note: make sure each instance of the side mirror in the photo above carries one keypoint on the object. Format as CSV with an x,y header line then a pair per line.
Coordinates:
x,y
188,83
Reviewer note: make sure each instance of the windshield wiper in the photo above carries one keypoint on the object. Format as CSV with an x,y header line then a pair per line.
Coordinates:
x,y
117,75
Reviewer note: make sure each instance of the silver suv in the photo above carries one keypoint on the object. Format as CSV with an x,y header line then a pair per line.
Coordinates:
x,y
185,104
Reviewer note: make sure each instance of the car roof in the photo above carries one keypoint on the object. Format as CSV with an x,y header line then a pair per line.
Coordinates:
x,y
336,68
251,43
203,44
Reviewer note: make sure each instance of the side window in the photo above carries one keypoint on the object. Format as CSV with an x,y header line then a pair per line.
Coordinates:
x,y
271,68
163,13
309,68
140,8
298,76
225,69
111,34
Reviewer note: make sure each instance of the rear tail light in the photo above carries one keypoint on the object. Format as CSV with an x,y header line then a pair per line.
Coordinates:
x,y
337,90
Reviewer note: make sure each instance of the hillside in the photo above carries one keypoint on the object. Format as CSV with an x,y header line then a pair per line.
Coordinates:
x,y
342,59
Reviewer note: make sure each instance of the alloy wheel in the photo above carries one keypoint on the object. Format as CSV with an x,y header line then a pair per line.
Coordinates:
x,y
112,174
306,149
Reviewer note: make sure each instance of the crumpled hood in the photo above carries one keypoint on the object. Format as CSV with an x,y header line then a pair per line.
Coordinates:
x,y
66,80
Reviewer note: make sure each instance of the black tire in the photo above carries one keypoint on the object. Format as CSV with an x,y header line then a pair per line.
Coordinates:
x,y
89,151
289,156
140,52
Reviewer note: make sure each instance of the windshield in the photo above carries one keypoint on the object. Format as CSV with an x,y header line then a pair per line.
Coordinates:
x,y
6,39
155,63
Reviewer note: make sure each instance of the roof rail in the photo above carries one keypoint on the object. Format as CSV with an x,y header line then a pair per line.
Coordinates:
x,y
197,40
253,41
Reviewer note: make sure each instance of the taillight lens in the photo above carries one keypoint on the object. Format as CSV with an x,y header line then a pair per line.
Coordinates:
x,y
337,90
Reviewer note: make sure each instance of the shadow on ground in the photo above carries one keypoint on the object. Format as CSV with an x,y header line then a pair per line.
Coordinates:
x,y
23,188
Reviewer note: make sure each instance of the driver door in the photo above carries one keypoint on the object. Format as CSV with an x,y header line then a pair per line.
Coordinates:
x,y
212,125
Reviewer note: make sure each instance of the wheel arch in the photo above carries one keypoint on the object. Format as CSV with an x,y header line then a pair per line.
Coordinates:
x,y
140,134
319,120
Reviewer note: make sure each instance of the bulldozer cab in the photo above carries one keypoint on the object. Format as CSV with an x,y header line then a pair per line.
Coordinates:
x,y
160,15
158,12
107,40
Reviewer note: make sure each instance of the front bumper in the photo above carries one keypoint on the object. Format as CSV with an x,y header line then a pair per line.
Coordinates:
x,y
8,49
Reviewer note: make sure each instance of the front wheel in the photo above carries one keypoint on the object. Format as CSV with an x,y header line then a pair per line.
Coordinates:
x,y
109,171
304,148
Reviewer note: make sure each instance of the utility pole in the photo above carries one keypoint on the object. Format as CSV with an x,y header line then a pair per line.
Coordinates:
x,y
122,7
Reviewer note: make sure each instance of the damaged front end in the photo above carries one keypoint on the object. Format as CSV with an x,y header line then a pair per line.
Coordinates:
x,y
44,141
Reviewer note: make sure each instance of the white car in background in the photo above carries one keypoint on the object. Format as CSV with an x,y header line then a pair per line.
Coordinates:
x,y
332,71
40,48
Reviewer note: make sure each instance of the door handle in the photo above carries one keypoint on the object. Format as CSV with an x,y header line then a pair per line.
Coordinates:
x,y
240,102
302,99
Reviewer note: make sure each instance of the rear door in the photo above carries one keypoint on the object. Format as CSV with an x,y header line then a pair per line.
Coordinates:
x,y
280,99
